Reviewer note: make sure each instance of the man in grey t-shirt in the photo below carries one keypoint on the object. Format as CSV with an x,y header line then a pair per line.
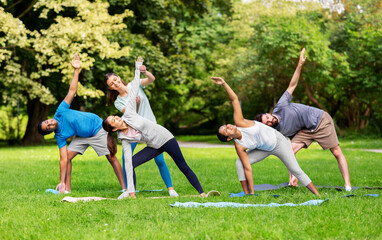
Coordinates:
x,y
305,124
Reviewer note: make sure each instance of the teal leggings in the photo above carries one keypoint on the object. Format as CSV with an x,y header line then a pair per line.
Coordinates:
x,y
159,160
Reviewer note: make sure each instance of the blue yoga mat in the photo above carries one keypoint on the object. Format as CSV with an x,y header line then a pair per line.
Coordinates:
x,y
52,191
365,195
237,205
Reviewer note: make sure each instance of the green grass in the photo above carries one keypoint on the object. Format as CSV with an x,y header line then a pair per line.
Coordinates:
x,y
360,143
27,212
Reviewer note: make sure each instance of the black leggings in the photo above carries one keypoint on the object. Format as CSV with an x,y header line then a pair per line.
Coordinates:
x,y
172,148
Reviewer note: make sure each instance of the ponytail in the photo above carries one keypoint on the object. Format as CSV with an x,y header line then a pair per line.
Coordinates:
x,y
111,143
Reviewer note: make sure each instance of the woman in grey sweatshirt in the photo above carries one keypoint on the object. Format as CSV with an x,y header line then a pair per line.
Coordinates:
x,y
133,127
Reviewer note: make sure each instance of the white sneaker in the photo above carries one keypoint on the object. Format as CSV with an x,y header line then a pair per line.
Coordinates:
x,y
173,193
66,192
347,188
125,194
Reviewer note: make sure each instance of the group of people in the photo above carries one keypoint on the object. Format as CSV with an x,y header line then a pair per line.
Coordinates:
x,y
254,139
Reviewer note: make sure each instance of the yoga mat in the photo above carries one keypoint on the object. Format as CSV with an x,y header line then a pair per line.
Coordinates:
x,y
52,191
146,190
84,199
343,188
212,193
365,195
242,194
237,205
265,187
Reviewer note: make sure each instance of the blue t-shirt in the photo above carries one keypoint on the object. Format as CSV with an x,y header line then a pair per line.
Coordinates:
x,y
74,123
294,117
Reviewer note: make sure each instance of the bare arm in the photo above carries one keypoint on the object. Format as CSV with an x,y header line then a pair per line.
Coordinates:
x,y
150,78
76,63
240,150
293,83
237,113
63,167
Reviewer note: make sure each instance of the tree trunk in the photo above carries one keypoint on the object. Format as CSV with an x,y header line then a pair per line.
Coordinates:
x,y
37,112
313,99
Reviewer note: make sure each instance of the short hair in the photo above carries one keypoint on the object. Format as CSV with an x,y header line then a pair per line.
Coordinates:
x,y
221,137
43,132
259,117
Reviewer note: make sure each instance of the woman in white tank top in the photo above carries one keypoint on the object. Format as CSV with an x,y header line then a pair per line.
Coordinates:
x,y
255,136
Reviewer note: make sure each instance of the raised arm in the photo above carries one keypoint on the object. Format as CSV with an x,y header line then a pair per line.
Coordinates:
x,y
132,97
149,78
293,83
237,113
76,64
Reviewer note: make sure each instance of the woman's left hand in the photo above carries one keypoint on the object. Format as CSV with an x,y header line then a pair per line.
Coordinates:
x,y
142,68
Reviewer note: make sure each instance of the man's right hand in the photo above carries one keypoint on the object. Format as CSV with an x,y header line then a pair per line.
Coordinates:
x,y
302,59
76,63
218,80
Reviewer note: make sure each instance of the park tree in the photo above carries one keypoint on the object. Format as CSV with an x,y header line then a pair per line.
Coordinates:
x,y
176,39
357,36
37,44
342,73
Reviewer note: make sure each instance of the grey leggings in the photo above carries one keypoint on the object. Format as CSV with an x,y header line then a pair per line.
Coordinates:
x,y
283,151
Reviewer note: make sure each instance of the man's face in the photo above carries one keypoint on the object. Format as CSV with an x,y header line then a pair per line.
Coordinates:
x,y
49,125
269,119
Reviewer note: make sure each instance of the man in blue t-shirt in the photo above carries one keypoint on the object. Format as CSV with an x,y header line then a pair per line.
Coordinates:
x,y
87,131
305,124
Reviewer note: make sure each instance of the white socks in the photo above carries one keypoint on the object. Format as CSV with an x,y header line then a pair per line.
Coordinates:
x,y
347,188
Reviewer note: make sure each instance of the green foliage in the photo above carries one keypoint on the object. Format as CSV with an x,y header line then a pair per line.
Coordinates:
x,y
342,74
254,45
54,46
9,125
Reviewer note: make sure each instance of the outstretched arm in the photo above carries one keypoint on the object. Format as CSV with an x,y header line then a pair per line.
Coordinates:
x,y
63,168
76,63
293,83
237,113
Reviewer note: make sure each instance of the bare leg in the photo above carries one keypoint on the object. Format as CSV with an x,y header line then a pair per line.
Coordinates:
x,y
342,164
296,147
68,182
244,184
117,169
313,189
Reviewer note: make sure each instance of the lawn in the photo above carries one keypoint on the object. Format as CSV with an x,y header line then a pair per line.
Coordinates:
x,y
27,212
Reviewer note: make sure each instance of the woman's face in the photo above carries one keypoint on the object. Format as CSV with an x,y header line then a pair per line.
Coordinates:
x,y
114,82
115,122
228,130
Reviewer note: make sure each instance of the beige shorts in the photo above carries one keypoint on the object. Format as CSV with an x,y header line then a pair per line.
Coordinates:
x,y
325,134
